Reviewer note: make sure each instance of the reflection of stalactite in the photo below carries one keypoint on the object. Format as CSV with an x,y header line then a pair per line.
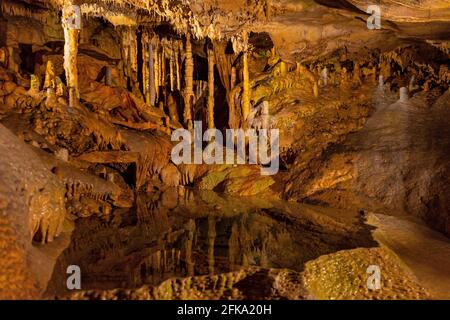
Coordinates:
x,y
210,88
211,240
233,246
189,79
245,240
157,261
264,261
189,244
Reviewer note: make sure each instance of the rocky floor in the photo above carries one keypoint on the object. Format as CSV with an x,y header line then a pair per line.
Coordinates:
x,y
423,251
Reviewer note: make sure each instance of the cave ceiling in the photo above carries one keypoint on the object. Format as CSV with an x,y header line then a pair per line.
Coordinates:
x,y
298,29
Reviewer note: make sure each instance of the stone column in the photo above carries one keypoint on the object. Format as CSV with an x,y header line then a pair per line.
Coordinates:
x,y
189,83
210,87
246,81
71,22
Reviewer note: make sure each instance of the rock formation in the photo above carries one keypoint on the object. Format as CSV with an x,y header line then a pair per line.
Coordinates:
x,y
92,94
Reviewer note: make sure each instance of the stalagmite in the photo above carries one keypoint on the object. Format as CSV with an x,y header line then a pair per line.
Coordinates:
x,y
108,76
298,68
210,88
34,85
357,75
374,74
412,84
71,22
316,89
404,94
51,101
381,81
283,68
246,80
49,81
189,89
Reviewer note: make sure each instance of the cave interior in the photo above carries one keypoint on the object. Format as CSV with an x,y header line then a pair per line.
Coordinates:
x,y
92,94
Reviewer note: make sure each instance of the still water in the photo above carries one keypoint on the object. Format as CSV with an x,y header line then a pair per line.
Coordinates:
x,y
168,234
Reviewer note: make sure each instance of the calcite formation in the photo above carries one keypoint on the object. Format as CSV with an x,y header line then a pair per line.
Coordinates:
x,y
94,93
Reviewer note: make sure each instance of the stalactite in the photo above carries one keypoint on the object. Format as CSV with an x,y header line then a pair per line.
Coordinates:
x,y
232,116
133,52
233,78
268,9
71,33
151,69
177,65
145,69
210,106
161,76
172,67
156,68
246,79
129,53
189,79
163,67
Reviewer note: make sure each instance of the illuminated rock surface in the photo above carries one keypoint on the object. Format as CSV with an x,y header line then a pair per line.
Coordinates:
x,y
87,111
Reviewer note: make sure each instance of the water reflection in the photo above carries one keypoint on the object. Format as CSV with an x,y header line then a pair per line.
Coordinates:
x,y
175,233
